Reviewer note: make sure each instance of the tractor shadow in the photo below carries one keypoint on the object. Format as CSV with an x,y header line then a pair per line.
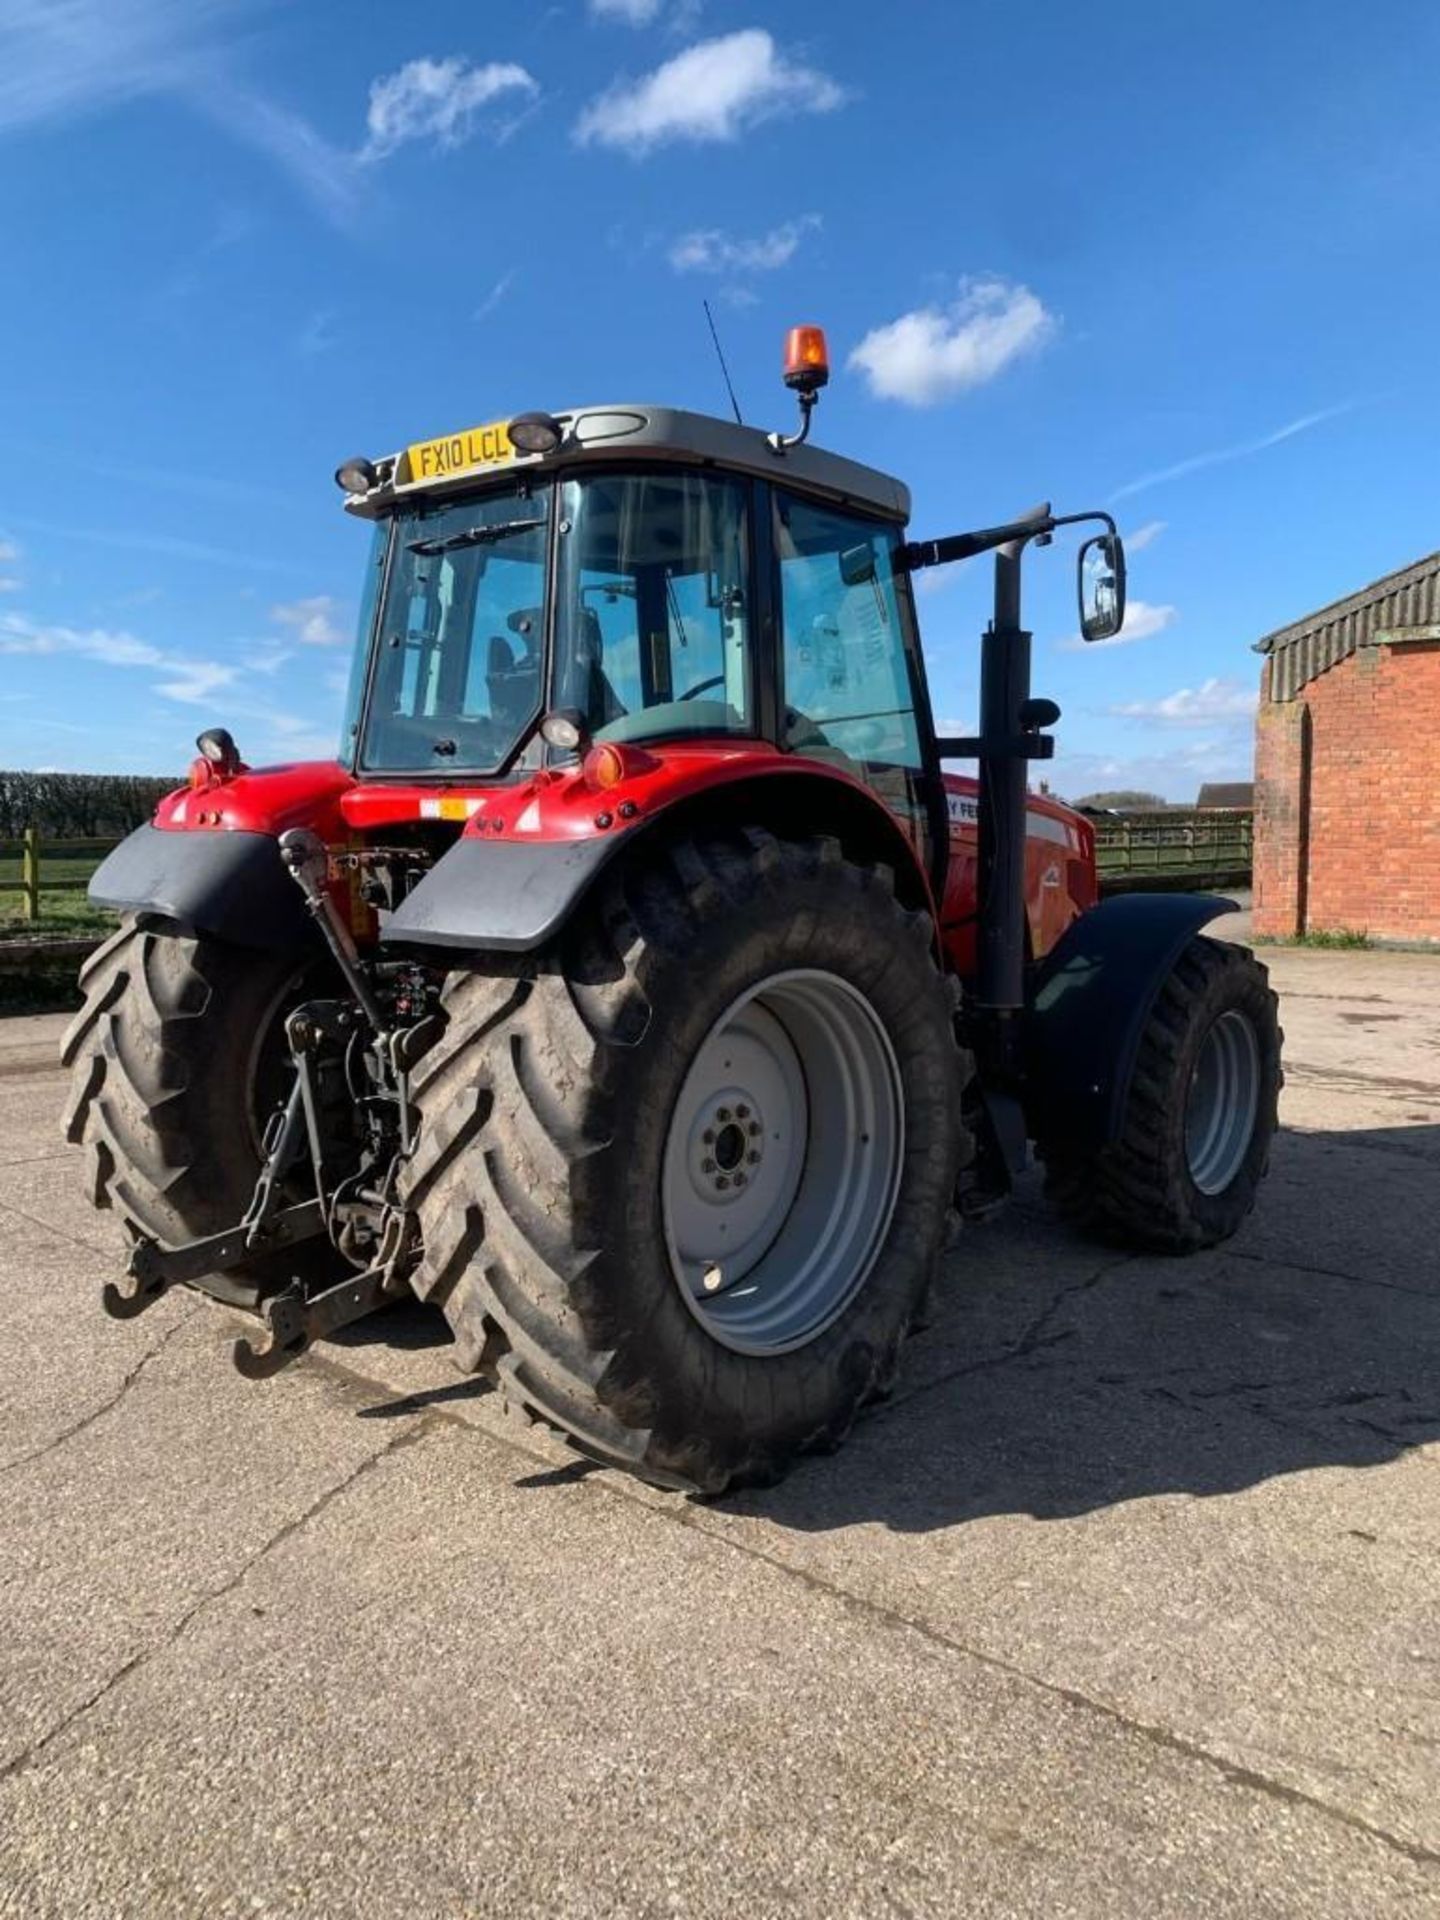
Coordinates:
x,y
1056,1378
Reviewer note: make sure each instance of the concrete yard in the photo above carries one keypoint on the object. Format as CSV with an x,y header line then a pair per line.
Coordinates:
x,y
1125,1604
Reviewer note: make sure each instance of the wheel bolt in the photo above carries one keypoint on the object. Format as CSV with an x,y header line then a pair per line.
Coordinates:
x,y
707,1166
721,1183
741,1178
742,1113
722,1114
754,1129
753,1159
708,1136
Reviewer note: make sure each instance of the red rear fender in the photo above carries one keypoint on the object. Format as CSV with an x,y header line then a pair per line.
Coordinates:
x,y
304,794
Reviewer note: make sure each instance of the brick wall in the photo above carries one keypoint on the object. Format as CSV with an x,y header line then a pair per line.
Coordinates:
x,y
1347,803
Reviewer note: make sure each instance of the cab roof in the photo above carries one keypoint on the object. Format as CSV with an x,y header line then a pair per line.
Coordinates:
x,y
459,462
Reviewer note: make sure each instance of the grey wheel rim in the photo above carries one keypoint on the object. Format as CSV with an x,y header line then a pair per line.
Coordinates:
x,y
782,1162
1223,1101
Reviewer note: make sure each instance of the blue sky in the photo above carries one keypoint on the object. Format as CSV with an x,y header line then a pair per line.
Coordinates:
x,y
1180,260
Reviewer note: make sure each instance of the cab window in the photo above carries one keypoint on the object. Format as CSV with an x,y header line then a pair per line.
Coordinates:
x,y
653,628
848,690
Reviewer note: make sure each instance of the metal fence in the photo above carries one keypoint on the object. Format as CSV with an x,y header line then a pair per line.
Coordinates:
x,y
48,866
1181,847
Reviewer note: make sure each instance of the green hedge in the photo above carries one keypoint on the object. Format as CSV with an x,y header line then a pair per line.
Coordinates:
x,y
79,806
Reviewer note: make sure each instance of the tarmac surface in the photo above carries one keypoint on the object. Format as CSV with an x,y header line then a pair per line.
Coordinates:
x,y
1125,1604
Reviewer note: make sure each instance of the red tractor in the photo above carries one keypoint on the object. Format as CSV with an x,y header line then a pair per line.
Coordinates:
x,y
635,986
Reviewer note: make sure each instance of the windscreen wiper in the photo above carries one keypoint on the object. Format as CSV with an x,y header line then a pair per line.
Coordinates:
x,y
474,536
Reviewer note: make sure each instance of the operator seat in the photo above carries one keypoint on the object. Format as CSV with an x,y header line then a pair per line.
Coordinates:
x,y
513,681
598,699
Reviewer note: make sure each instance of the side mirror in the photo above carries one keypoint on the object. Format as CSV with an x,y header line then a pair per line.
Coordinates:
x,y
1101,584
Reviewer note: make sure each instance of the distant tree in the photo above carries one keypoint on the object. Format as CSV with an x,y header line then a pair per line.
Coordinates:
x,y
1124,800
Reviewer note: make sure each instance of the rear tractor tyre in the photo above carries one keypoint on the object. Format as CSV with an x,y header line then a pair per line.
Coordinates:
x,y
684,1182
176,1060
1200,1117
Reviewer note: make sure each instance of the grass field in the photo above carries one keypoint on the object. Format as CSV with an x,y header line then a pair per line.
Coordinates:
x,y
64,910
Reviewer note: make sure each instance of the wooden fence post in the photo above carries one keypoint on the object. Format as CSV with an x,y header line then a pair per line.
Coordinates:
x,y
30,872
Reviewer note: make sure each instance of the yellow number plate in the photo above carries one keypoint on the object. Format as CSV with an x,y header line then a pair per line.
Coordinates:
x,y
458,453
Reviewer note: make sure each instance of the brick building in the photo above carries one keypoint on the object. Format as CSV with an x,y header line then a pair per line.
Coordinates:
x,y
1347,765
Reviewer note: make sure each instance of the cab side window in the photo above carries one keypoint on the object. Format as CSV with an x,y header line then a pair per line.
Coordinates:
x,y
848,691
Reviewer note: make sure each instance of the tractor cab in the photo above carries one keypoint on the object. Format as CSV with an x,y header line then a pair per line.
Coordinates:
x,y
635,576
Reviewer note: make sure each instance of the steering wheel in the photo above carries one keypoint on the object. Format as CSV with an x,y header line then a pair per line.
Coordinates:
x,y
703,686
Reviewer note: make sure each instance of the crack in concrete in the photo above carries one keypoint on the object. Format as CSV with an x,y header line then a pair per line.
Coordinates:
x,y
1032,1339
31,1755
58,1233
612,1485
1352,1080
1283,1263
1234,1773
98,1413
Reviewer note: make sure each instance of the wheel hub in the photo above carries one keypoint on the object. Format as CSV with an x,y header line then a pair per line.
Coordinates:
x,y
727,1146
783,1161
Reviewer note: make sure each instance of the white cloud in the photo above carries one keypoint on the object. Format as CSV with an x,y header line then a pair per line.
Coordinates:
x,y
194,681
19,635
1145,536
1240,451
1142,621
168,545
635,13
324,173
436,100
715,90
1213,703
710,250
497,293
933,354
9,551
265,657
313,619
61,59
933,580
1177,773
197,682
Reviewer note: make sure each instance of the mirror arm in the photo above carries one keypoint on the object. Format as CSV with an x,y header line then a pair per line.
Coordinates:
x,y
1004,746
916,554
1079,519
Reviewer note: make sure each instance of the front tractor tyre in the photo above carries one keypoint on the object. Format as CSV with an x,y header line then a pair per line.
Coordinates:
x,y
1199,1117
176,1060
684,1181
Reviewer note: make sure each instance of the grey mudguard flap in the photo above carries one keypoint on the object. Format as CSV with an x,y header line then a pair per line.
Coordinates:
x,y
510,895
228,884
1093,994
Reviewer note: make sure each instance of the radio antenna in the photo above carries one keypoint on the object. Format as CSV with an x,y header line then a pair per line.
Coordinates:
x,y
720,356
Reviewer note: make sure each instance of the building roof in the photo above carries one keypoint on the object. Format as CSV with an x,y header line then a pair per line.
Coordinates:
x,y
635,431
1238,794
1399,606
